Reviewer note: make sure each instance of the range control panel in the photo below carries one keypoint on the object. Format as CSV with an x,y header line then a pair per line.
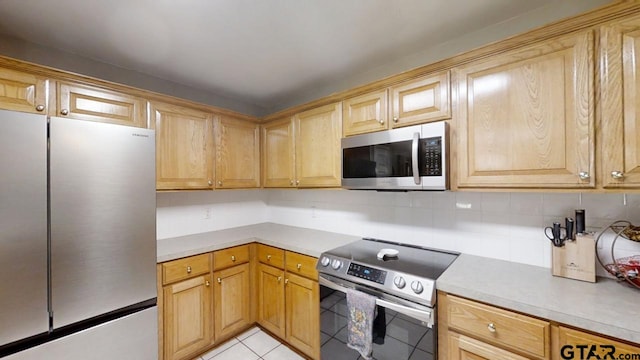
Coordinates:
x,y
367,273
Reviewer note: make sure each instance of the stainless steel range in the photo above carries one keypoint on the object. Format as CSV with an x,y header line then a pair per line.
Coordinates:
x,y
402,278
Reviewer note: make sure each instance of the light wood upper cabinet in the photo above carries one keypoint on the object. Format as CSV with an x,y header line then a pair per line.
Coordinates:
x,y
526,117
232,301
421,100
91,103
303,314
317,146
237,153
278,154
184,147
23,92
365,113
187,317
620,98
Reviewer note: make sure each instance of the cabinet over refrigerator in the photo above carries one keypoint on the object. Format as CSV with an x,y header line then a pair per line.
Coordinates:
x,y
77,239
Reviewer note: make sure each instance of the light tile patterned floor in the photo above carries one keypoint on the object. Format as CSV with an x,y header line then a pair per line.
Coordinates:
x,y
253,344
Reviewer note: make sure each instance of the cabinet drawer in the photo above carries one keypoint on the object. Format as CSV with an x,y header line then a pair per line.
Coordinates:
x,y
181,269
302,265
500,326
231,256
271,256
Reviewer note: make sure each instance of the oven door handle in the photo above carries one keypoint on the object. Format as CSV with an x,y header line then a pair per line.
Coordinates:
x,y
414,158
422,315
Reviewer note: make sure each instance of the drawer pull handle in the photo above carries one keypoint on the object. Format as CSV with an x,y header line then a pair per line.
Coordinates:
x,y
491,327
268,257
219,281
188,269
233,258
207,283
299,266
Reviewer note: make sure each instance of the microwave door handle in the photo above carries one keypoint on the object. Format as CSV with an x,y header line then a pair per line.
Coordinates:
x,y
414,158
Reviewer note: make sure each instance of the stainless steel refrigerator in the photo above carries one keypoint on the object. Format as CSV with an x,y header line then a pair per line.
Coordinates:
x,y
77,239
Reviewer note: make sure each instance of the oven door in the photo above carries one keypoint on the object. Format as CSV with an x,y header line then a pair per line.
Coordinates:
x,y
408,335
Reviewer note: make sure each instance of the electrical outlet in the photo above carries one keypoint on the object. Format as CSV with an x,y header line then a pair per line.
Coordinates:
x,y
313,212
207,213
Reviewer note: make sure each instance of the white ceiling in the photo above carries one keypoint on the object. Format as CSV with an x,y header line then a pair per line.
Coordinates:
x,y
261,52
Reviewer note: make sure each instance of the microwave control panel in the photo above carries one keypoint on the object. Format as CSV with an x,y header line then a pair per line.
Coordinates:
x,y
431,149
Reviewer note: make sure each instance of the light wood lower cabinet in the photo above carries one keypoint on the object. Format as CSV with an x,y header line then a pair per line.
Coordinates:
x,y
212,296
232,300
271,299
465,348
187,317
576,344
303,314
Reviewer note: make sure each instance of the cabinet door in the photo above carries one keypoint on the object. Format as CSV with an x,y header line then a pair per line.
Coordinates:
x,y
421,100
526,118
303,314
271,308
317,145
574,344
620,120
85,102
365,113
237,153
187,317
22,92
184,147
278,154
466,348
232,300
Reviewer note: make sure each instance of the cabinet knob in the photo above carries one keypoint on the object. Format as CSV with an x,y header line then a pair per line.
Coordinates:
x,y
219,281
286,281
297,182
491,327
207,283
279,278
210,182
395,119
617,175
381,122
40,108
268,257
188,269
299,266
291,182
64,112
219,183
233,258
584,175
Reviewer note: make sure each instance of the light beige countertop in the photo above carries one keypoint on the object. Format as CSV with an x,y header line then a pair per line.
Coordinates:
x,y
301,240
605,307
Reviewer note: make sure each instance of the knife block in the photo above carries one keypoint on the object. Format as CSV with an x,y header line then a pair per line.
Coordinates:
x,y
576,259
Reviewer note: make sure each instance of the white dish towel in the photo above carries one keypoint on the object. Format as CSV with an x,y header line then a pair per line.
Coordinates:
x,y
361,309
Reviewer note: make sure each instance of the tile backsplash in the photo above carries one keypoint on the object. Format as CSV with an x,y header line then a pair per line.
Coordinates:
x,y
500,225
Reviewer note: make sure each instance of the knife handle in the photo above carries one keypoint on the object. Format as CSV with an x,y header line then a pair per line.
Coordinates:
x,y
568,222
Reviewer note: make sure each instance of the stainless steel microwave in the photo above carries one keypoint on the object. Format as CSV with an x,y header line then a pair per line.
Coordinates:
x,y
408,158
